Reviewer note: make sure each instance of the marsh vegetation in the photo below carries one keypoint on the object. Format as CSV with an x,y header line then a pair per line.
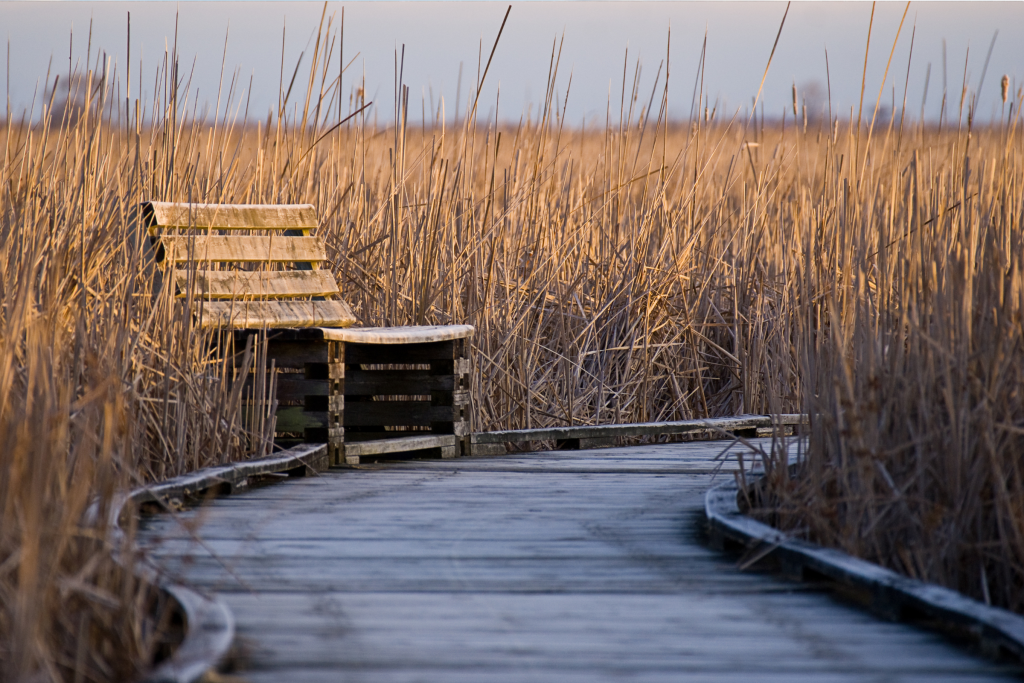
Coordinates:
x,y
643,269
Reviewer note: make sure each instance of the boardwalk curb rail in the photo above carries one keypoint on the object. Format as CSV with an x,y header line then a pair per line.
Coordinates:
x,y
209,624
209,632
998,632
739,423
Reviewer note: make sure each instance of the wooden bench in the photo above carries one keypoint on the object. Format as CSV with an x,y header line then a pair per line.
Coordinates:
x,y
369,393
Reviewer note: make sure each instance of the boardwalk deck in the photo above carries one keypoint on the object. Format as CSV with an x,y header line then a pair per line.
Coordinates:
x,y
568,566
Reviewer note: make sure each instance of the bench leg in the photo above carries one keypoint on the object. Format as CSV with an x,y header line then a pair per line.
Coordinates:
x,y
336,403
462,397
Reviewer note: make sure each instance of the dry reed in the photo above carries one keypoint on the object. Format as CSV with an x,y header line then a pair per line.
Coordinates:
x,y
644,270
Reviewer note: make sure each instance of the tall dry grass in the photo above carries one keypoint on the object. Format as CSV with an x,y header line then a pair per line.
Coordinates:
x,y
911,352
640,270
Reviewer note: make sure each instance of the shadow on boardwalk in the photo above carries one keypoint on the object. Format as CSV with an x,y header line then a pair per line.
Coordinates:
x,y
565,566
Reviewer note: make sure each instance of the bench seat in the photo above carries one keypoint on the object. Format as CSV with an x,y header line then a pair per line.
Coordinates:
x,y
412,334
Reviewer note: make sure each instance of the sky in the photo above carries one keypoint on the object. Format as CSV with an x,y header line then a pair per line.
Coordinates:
x,y
598,40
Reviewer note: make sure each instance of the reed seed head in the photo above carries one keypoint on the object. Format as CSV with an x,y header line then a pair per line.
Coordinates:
x,y
1004,85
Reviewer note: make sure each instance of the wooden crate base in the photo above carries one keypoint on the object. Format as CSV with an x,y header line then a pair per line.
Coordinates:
x,y
350,394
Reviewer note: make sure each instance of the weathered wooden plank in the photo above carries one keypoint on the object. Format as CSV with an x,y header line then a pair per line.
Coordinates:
x,y
356,434
230,216
882,590
727,424
241,249
552,611
307,456
487,449
461,571
410,334
490,672
401,445
238,284
595,651
305,546
260,314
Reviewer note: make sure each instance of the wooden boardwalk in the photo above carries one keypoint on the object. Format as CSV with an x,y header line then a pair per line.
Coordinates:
x,y
567,566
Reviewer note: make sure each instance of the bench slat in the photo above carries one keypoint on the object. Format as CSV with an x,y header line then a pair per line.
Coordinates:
x,y
245,249
411,334
231,284
230,216
244,315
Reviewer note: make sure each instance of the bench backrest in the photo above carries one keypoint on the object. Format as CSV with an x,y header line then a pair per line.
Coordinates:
x,y
249,266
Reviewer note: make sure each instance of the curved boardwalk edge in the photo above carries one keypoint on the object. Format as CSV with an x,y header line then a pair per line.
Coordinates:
x,y
209,632
209,624
998,632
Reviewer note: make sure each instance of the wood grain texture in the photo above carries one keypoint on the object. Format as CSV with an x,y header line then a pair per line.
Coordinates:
x,y
230,216
889,594
402,445
242,284
241,315
412,334
240,248
572,566
306,456
721,424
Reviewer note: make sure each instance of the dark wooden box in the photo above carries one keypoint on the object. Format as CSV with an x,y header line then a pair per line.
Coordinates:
x,y
370,401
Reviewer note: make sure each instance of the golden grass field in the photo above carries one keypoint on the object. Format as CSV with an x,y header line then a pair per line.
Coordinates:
x,y
870,276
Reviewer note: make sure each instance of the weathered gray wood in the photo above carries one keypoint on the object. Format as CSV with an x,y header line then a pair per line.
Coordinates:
x,y
241,284
400,445
411,334
882,590
298,461
443,445
230,216
724,424
241,315
356,434
209,633
573,567
239,249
